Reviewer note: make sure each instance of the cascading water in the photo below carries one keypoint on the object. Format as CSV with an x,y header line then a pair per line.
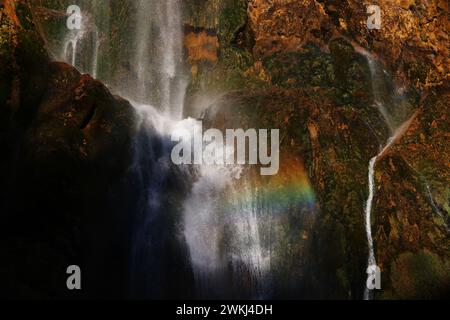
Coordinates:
x,y
247,250
142,58
81,46
161,82
156,52
159,96
371,262
155,86
219,222
70,49
157,60
95,55
158,92
221,227
395,111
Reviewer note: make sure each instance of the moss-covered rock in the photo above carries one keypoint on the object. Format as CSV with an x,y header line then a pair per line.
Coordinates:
x,y
421,275
411,211
322,249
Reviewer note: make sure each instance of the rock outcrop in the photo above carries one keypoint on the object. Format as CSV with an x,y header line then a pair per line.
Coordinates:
x,y
66,148
298,66
412,41
289,64
411,214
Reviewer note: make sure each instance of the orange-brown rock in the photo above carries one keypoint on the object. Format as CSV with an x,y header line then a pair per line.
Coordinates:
x,y
413,40
201,47
286,25
10,11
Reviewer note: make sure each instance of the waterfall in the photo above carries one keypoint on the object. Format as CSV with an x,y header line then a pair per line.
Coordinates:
x,y
212,216
221,227
95,55
219,222
392,105
81,46
142,57
211,209
150,57
203,228
158,57
247,249
371,261
157,93
378,89
70,49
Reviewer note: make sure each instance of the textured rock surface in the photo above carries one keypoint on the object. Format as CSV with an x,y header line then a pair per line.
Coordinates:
x,y
318,135
290,65
412,42
66,148
281,52
412,205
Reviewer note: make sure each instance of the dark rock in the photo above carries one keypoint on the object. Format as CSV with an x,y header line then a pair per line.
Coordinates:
x,y
65,193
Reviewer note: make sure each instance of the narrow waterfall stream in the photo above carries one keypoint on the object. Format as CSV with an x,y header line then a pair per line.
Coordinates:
x,y
371,261
81,45
392,106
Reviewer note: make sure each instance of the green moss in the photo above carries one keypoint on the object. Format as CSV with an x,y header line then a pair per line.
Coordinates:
x,y
227,75
341,275
420,275
417,70
233,17
227,19
224,16
310,68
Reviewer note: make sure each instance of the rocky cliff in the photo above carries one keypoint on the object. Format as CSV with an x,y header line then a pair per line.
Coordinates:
x,y
66,148
297,65
412,42
303,66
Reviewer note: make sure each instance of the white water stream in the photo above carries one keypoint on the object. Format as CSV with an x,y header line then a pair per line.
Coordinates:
x,y
220,223
388,102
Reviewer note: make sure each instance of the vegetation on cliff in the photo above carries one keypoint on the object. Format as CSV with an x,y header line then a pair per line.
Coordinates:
x,y
292,65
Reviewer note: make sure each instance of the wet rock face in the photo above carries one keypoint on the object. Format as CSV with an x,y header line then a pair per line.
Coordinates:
x,y
318,254
66,145
287,25
412,208
202,47
412,40
293,65
282,51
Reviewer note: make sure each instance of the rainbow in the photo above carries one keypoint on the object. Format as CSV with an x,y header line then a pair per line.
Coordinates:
x,y
291,187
